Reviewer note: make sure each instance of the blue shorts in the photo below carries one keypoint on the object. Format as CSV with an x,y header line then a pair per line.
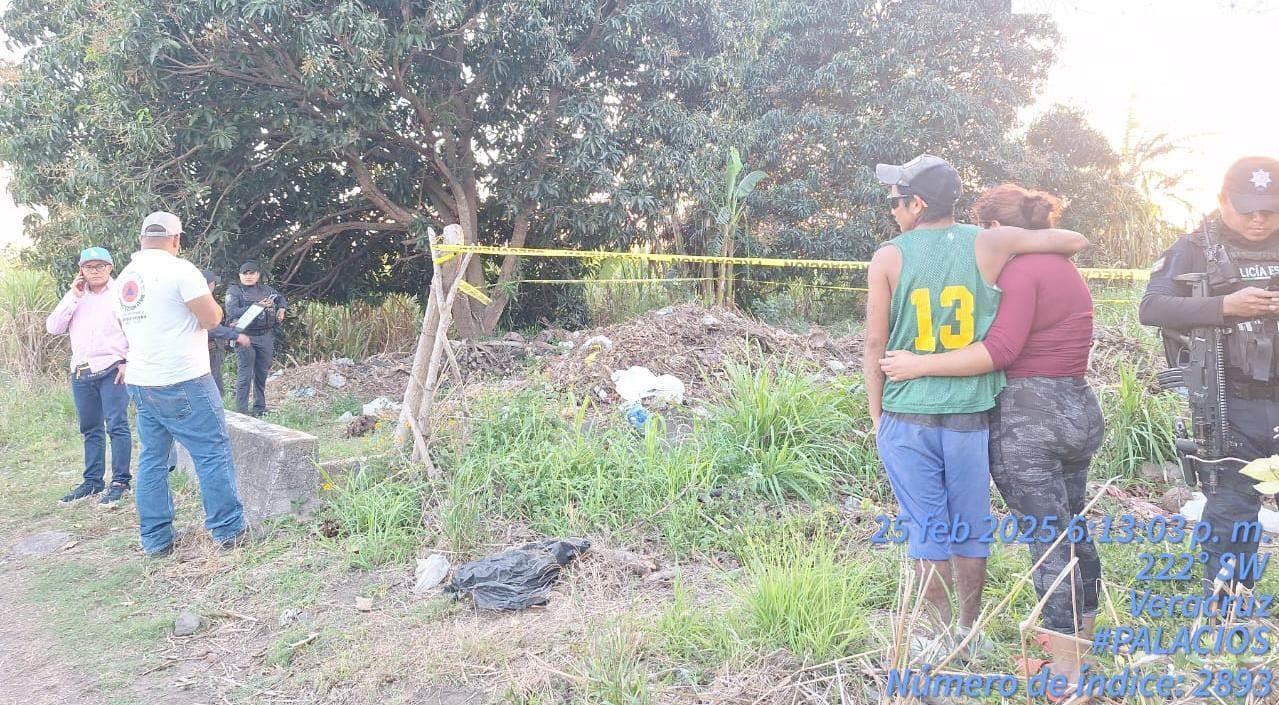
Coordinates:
x,y
938,475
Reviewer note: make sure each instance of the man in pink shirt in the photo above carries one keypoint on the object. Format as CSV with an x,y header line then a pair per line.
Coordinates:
x,y
99,352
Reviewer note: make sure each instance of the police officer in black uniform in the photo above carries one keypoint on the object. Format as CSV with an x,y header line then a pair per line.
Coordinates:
x,y
1238,249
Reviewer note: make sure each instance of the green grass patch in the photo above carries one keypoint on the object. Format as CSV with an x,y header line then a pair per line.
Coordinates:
x,y
379,516
1139,424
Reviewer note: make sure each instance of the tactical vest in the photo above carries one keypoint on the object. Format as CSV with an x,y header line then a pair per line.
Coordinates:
x,y
1250,347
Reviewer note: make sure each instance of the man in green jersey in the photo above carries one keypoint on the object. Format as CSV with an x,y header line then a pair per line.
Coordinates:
x,y
930,291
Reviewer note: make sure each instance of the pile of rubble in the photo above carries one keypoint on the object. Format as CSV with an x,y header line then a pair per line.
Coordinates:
x,y
692,344
687,341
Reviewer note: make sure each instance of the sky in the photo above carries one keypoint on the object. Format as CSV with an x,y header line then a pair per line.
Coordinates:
x,y
1203,72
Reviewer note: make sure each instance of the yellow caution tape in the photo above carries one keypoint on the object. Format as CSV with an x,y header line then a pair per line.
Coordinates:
x,y
649,280
1107,273
469,289
1087,272
445,258
652,257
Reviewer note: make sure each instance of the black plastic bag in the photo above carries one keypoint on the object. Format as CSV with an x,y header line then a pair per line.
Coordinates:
x,y
519,578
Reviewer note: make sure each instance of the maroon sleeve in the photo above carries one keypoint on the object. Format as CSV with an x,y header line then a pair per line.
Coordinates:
x,y
1008,334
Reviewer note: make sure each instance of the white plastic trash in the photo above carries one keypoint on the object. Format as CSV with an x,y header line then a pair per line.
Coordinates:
x,y
637,384
430,572
1194,509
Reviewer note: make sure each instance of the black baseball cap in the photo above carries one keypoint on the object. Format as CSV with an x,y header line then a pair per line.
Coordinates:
x,y
1252,184
931,178
212,277
250,266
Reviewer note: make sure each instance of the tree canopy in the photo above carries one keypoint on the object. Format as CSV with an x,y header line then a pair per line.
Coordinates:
x,y
326,136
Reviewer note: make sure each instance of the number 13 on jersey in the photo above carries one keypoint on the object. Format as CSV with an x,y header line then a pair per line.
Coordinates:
x,y
953,335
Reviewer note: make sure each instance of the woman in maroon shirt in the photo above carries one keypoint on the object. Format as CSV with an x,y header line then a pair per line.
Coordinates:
x,y
1046,424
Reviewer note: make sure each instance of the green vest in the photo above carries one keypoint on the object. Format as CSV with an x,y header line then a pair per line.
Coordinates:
x,y
941,303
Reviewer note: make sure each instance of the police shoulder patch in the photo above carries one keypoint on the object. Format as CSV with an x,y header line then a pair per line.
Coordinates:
x,y
1159,264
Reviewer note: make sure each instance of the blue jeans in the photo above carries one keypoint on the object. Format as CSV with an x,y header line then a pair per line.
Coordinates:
x,y
103,409
191,413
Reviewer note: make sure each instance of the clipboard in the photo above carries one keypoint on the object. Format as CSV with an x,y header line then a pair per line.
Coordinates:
x,y
248,316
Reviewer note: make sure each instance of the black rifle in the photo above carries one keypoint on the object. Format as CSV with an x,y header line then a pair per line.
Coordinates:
x,y
1196,360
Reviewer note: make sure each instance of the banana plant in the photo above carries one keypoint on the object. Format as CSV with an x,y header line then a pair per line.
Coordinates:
x,y
730,216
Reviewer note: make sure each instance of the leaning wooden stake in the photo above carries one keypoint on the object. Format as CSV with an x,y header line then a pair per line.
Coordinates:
x,y
431,355
413,393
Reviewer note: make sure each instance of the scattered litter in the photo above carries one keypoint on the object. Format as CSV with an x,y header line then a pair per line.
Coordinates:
x,y
336,380
637,383
344,362
381,406
601,340
710,321
346,416
678,344
836,366
518,578
186,624
566,345
636,414
666,310
1269,520
302,393
430,572
274,376
1194,508
364,604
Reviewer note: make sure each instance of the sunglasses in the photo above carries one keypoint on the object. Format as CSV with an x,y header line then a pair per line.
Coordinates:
x,y
895,201
101,267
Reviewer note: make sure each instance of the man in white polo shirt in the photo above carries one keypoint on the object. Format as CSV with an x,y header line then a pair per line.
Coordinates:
x,y
165,309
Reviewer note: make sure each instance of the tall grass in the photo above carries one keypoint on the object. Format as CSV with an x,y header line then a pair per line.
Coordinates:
x,y
356,330
788,435
26,299
609,303
612,670
1139,423
379,516
803,594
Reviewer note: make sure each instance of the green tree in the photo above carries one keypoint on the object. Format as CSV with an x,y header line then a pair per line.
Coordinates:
x,y
325,136
1109,194
830,87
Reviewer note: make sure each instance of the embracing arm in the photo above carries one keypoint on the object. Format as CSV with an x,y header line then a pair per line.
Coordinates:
x,y
1003,344
995,246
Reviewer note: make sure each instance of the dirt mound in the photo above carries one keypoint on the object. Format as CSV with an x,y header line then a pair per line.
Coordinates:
x,y
691,343
383,375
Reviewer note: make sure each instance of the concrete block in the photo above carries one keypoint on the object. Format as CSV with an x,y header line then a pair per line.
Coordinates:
x,y
275,466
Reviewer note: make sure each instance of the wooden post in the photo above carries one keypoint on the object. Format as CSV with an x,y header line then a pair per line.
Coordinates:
x,y
416,390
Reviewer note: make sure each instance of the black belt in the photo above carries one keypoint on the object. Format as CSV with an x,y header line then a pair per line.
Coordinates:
x,y
1256,391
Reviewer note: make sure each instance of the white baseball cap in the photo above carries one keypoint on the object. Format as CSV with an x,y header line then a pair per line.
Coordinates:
x,y
161,224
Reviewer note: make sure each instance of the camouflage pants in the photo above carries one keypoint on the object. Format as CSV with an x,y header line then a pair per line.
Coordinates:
x,y
1043,434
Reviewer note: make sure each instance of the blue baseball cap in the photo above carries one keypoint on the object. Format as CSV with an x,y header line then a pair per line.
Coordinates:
x,y
96,254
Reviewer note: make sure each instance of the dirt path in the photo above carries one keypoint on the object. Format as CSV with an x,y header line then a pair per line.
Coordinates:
x,y
30,671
